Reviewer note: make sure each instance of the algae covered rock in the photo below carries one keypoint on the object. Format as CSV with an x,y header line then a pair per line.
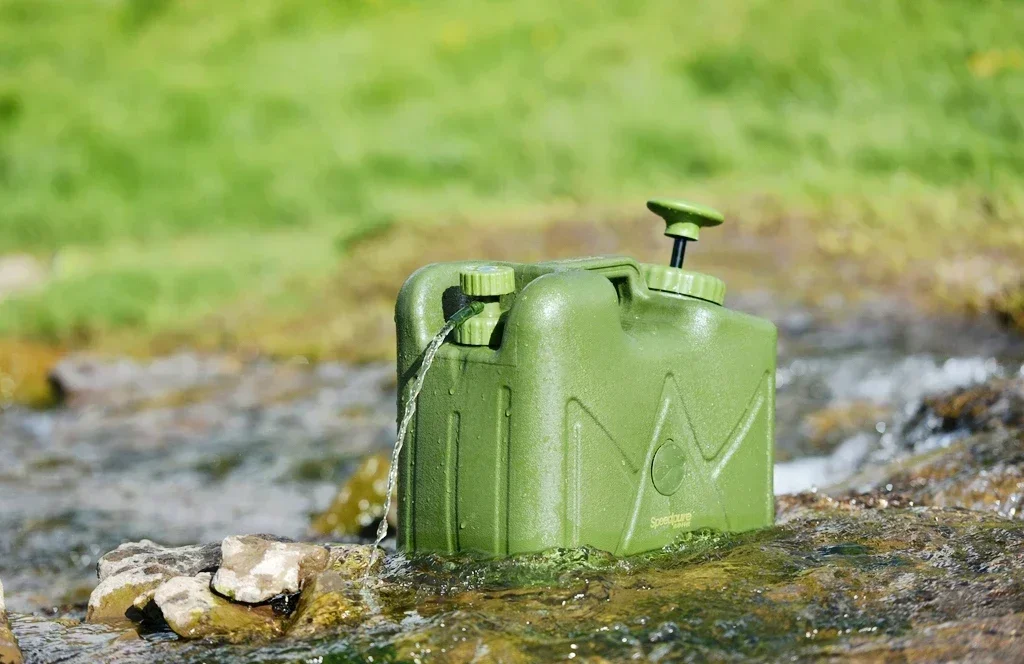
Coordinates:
x,y
9,651
257,568
136,569
193,611
344,594
835,580
359,504
332,599
964,448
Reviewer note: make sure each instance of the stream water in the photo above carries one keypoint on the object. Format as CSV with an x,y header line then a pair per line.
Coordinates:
x,y
194,448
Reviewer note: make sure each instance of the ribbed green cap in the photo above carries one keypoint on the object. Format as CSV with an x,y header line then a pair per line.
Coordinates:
x,y
684,282
487,280
684,219
478,330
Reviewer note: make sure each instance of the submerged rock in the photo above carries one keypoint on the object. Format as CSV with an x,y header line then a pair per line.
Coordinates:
x,y
193,611
332,599
131,572
9,651
257,568
344,594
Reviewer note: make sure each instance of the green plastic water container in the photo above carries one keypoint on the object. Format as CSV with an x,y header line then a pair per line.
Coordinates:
x,y
594,401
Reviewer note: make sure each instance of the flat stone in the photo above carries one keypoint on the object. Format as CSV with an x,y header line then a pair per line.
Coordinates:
x,y
193,611
257,568
9,651
137,568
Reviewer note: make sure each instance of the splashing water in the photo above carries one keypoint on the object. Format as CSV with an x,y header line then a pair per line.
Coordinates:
x,y
456,320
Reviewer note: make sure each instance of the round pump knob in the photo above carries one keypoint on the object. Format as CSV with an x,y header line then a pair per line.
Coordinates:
x,y
683,222
684,219
487,280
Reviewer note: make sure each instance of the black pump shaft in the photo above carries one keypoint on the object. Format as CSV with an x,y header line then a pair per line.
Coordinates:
x,y
678,252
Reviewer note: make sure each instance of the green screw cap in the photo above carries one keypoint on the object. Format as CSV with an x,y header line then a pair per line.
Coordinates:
x,y
484,281
684,219
684,282
487,280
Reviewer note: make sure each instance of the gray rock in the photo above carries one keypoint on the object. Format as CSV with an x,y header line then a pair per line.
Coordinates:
x,y
9,651
135,569
257,568
193,611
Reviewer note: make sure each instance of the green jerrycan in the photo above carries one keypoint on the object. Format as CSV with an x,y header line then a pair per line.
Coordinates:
x,y
591,402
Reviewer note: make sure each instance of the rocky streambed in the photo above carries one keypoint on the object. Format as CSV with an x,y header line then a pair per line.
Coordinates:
x,y
899,529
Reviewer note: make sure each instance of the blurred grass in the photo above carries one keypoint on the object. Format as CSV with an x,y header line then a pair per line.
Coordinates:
x,y
181,156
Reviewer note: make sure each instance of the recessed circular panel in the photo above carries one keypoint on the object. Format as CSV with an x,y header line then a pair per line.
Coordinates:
x,y
668,468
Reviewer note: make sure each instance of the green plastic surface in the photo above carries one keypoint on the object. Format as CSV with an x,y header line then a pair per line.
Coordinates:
x,y
602,413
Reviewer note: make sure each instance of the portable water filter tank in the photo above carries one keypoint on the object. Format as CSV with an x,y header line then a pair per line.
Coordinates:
x,y
591,402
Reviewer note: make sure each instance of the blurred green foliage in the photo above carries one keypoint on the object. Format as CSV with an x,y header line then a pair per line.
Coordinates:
x,y
147,123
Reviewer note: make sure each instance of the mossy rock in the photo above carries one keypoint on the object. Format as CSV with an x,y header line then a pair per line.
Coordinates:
x,y
193,611
332,600
359,504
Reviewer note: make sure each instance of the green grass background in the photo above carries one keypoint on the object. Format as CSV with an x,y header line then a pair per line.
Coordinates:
x,y
176,155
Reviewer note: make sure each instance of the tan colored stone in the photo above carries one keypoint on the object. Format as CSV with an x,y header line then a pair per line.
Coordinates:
x,y
137,568
193,611
257,568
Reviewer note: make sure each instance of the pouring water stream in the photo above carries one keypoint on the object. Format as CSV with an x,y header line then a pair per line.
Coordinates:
x,y
457,319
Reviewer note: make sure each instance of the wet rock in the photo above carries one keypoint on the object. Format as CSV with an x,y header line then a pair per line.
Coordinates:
x,y
987,639
193,611
941,419
332,599
834,578
257,568
136,569
830,426
359,505
9,651
344,594
354,560
962,449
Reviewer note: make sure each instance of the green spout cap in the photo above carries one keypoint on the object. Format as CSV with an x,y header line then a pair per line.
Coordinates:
x,y
684,282
684,219
487,280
